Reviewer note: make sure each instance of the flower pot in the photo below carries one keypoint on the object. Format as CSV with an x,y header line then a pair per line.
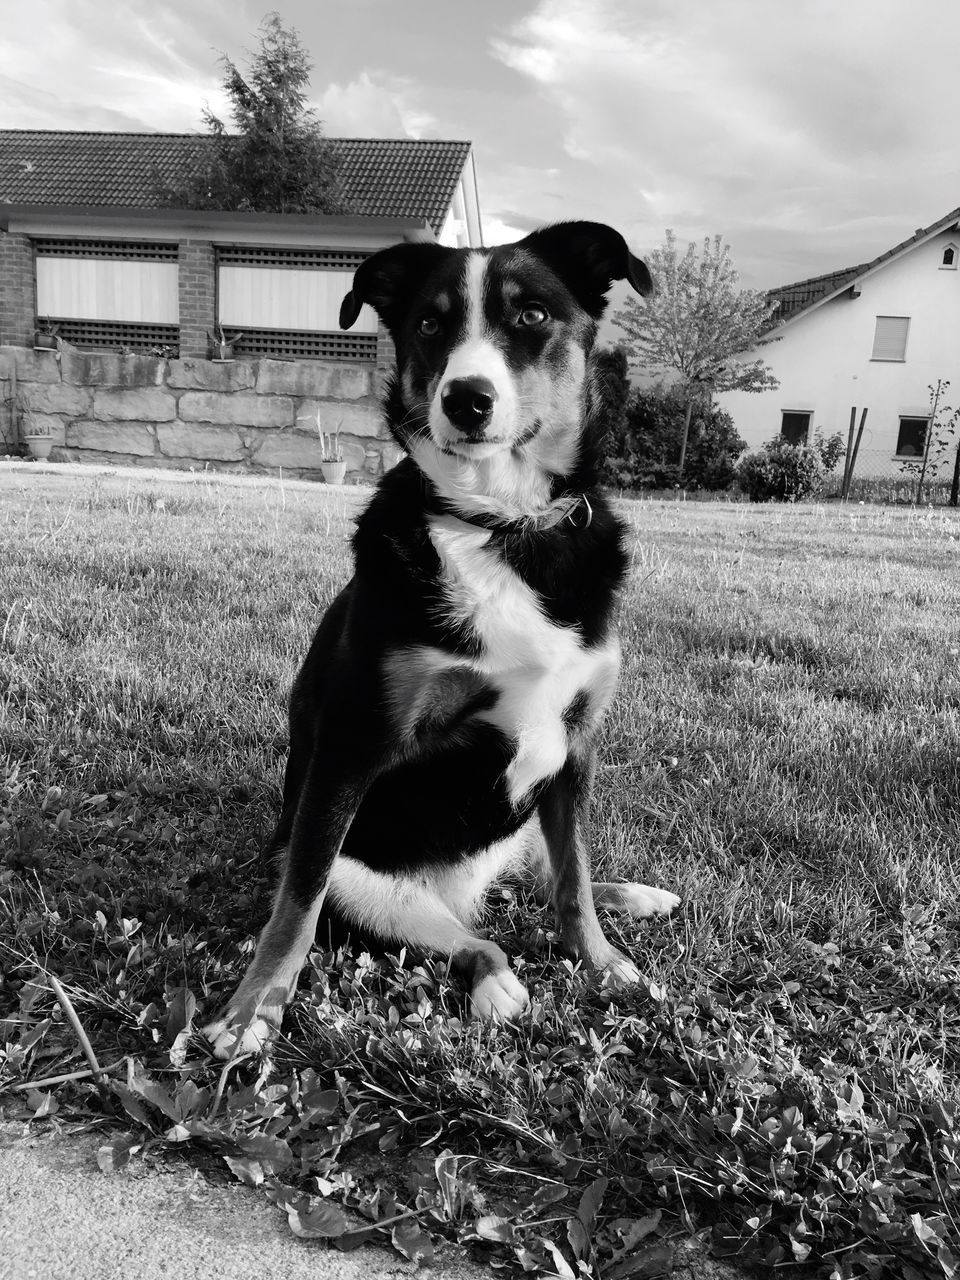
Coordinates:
x,y
45,341
223,353
333,472
39,446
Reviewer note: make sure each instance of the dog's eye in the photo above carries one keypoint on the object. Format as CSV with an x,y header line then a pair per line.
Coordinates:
x,y
429,327
533,314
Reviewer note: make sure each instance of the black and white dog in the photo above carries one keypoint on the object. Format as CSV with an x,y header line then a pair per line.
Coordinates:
x,y
443,727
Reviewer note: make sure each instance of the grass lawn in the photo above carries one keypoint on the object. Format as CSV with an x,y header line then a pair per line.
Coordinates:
x,y
783,751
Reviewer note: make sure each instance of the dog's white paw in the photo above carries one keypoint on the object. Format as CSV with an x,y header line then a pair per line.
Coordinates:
x,y
619,970
223,1035
642,901
499,996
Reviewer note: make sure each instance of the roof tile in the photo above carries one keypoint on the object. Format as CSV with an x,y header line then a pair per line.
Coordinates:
x,y
383,177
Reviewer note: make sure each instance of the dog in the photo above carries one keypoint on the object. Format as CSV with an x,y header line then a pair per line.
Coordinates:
x,y
443,727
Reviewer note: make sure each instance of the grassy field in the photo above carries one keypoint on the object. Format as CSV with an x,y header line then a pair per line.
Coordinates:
x,y
783,751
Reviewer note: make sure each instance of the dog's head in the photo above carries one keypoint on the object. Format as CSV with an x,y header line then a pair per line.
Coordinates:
x,y
492,349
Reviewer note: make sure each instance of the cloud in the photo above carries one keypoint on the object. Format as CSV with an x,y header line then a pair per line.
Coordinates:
x,y
373,105
724,118
155,68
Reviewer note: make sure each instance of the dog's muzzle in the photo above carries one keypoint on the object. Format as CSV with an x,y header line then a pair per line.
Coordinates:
x,y
468,403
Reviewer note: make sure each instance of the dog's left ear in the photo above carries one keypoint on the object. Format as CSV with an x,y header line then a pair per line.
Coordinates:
x,y
390,280
588,257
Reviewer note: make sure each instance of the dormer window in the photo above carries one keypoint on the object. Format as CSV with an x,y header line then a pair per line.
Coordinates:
x,y
950,258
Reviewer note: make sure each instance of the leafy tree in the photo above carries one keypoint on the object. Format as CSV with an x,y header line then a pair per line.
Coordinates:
x,y
697,323
278,160
643,454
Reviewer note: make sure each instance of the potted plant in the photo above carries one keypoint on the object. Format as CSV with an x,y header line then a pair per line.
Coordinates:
x,y
332,464
45,335
222,345
38,437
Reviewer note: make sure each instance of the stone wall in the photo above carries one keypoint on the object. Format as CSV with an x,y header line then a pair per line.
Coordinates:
x,y
250,415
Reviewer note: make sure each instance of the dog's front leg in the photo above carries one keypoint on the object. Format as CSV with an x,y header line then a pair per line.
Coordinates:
x,y
330,796
564,817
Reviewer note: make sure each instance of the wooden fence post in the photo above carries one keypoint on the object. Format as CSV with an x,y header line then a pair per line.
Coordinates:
x,y
844,488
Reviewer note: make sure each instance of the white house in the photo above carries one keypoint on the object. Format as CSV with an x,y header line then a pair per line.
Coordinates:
x,y
873,337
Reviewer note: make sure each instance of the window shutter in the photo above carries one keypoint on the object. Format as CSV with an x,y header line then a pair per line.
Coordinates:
x,y
890,339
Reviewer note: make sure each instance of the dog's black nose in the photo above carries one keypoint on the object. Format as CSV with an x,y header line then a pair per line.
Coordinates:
x,y
468,402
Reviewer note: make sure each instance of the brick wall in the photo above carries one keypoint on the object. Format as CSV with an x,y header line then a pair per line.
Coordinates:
x,y
198,296
386,358
17,290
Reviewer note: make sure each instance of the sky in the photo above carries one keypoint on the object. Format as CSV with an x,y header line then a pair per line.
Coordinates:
x,y
810,135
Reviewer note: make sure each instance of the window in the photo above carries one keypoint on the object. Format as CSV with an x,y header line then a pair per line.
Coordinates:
x,y
911,437
795,427
108,281
890,338
949,260
292,293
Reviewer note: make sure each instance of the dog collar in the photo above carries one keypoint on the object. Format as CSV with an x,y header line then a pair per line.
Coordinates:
x,y
573,509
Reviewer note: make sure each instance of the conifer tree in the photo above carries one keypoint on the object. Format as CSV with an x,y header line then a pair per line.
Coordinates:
x,y
277,160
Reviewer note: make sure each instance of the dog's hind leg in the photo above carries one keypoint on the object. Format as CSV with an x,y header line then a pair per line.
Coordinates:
x,y
638,900
425,911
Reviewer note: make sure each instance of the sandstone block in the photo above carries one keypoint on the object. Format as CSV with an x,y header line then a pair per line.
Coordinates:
x,y
34,366
204,375
55,397
140,404
135,438
352,419
314,378
295,449
111,369
193,440
241,409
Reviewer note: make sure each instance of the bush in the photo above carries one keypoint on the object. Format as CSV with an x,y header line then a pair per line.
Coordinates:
x,y
645,452
781,472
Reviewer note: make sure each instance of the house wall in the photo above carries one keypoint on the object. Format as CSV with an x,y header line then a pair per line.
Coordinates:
x,y
823,359
257,415
461,227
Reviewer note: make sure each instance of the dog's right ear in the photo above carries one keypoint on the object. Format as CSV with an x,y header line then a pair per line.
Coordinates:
x,y
390,280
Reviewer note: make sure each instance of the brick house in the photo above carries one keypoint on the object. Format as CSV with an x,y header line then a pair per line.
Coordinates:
x,y
135,293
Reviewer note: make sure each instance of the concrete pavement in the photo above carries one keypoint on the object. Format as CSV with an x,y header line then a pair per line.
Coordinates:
x,y
62,1219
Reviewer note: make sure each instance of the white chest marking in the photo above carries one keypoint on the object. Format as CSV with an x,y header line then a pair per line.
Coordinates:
x,y
537,666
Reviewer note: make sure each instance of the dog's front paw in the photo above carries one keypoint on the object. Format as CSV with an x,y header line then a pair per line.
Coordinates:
x,y
234,1035
641,901
500,996
619,970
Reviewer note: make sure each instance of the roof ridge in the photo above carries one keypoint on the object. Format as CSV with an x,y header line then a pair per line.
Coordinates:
x,y
156,133
824,275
